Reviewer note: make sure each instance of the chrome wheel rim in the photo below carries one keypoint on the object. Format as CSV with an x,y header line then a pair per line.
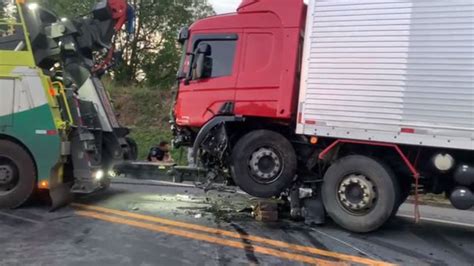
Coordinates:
x,y
357,194
265,165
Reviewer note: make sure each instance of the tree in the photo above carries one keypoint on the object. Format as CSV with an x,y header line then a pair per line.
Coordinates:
x,y
7,15
7,9
152,55
69,8
2,8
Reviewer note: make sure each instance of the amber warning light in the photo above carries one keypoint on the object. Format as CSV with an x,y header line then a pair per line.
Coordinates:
x,y
43,185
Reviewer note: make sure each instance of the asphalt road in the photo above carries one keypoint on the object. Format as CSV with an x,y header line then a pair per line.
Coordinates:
x,y
133,224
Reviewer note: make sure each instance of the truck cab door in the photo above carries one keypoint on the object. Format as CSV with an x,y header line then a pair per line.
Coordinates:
x,y
202,98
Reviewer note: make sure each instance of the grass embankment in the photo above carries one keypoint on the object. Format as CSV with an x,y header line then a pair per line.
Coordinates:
x,y
146,111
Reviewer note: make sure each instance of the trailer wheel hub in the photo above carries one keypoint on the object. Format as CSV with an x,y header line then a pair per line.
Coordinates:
x,y
265,165
357,194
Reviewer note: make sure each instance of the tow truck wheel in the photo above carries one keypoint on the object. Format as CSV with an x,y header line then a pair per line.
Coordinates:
x,y
263,163
132,154
360,193
17,175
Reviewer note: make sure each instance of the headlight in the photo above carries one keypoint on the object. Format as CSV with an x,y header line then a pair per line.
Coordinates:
x,y
33,6
112,173
99,175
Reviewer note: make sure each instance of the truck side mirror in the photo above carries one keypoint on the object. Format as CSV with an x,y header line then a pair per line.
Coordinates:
x,y
183,35
202,65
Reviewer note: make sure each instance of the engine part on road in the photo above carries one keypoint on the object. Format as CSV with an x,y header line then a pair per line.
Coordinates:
x,y
295,202
313,211
305,192
266,211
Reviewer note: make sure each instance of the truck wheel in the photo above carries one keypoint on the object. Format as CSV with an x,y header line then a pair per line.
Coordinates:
x,y
17,175
263,163
360,193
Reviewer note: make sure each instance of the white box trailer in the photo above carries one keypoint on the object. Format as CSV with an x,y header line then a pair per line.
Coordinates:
x,y
393,71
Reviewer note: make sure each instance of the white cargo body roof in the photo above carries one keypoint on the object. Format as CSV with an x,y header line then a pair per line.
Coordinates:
x,y
395,71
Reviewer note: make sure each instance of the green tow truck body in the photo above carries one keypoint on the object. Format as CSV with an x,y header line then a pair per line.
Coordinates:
x,y
52,136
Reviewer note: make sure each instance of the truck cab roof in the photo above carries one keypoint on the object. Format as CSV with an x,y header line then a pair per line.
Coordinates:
x,y
277,13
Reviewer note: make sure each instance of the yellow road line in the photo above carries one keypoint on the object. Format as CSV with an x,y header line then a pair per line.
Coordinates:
x,y
207,238
215,231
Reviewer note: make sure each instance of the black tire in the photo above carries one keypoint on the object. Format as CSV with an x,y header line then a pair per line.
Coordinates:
x,y
384,183
242,155
405,190
132,154
21,169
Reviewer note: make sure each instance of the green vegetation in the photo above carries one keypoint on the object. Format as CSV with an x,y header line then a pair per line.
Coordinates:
x,y
146,110
2,7
141,87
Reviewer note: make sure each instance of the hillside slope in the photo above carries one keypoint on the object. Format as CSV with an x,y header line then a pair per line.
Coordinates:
x,y
146,111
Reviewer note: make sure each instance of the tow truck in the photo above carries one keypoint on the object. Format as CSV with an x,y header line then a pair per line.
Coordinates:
x,y
352,104
58,130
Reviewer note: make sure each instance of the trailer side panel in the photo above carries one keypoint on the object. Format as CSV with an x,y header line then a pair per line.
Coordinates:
x,y
391,71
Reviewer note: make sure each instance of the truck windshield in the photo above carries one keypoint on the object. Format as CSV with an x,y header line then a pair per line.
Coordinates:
x,y
181,72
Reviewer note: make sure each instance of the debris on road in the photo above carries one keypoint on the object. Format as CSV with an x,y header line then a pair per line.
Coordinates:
x,y
266,211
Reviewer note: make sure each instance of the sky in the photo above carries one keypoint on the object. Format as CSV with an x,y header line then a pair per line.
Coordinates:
x,y
225,6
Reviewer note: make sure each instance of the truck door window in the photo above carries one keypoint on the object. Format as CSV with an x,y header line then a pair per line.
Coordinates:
x,y
222,55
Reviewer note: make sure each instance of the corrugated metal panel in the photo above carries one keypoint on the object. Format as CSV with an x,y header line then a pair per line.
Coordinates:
x,y
374,67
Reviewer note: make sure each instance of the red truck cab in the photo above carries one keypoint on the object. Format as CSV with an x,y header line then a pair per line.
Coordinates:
x,y
255,56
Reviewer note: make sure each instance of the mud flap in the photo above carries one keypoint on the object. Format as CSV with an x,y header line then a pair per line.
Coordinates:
x,y
61,196
59,191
